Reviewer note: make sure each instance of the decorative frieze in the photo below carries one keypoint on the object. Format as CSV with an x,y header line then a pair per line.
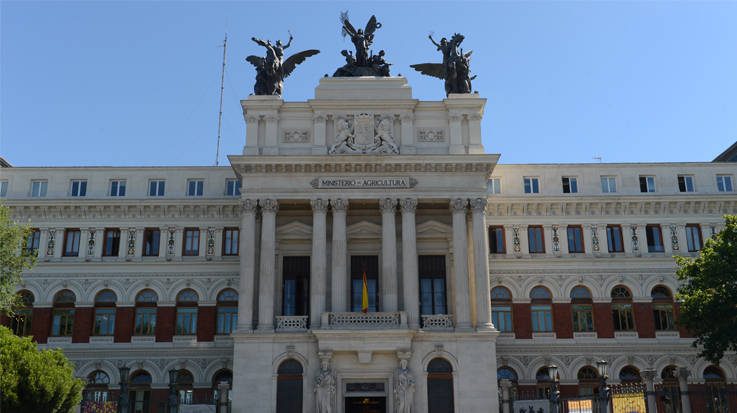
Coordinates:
x,y
430,135
296,136
556,239
91,243
291,323
594,238
515,239
364,133
635,240
210,243
170,243
377,320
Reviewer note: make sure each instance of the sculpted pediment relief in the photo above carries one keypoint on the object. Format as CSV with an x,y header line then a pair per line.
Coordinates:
x,y
294,230
364,229
433,229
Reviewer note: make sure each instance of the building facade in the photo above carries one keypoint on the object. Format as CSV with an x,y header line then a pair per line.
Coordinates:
x,y
365,253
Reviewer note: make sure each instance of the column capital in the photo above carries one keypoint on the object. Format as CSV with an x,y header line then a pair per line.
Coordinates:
x,y
479,204
458,204
339,204
648,375
319,117
408,204
387,205
319,205
248,206
269,205
271,117
251,118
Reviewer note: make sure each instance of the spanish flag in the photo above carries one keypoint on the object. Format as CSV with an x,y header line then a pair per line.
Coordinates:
x,y
364,295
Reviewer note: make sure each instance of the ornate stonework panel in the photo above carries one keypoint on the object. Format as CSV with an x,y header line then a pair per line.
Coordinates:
x,y
364,134
295,136
431,135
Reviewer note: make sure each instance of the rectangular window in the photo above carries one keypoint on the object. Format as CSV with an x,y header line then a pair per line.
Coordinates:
x,y
151,240
431,269
79,187
494,186
195,187
71,242
724,183
104,322
501,316
583,318
647,183
608,184
663,315
156,187
33,240
38,188
3,188
111,245
145,324
186,321
570,185
535,239
614,238
532,185
575,239
227,320
62,323
654,238
497,243
685,183
369,265
117,187
693,237
622,317
21,322
233,187
542,319
296,286
231,238
191,247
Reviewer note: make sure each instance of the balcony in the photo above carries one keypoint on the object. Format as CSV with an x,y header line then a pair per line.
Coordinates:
x,y
365,321
291,323
437,322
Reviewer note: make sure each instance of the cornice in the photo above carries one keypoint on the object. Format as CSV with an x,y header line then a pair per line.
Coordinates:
x,y
91,210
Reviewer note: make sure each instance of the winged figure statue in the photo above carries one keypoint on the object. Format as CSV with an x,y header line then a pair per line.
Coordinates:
x,y
455,69
364,62
272,69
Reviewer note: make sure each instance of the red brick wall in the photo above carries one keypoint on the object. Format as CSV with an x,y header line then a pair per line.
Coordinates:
x,y
124,322
644,319
158,396
41,326
603,320
206,323
165,318
568,390
563,320
82,324
522,320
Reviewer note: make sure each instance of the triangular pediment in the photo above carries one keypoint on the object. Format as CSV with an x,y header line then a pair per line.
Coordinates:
x,y
364,229
433,229
294,230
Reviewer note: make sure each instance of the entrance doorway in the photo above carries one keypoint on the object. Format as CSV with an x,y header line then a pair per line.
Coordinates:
x,y
365,405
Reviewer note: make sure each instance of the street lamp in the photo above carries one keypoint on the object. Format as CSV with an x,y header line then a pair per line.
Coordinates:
x,y
123,398
604,391
554,392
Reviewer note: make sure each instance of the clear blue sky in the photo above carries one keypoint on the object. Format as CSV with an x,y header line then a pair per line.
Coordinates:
x,y
137,83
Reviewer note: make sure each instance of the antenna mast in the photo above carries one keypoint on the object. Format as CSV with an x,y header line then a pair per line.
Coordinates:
x,y
222,89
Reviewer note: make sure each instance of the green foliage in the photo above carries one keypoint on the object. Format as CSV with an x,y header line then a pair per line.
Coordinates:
x,y
709,293
13,258
33,380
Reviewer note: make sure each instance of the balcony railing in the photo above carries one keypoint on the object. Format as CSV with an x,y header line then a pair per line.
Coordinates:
x,y
291,322
366,321
437,322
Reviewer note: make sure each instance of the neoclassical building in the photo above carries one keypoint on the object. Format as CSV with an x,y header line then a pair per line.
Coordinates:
x,y
473,271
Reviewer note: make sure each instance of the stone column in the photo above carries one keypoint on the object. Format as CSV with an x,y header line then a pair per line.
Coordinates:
x,y
42,241
648,376
456,133
550,247
222,402
138,253
251,147
388,254
340,255
410,280
506,385
460,265
318,263
319,145
683,374
481,264
267,273
247,250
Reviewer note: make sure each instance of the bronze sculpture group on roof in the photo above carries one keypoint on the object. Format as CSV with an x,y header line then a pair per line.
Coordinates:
x,y
272,69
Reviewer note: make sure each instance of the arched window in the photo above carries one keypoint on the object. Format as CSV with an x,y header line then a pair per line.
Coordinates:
x,y
140,391
713,374
184,385
715,382
542,310
501,309
289,387
588,380
23,317
227,310
543,380
187,312
145,324
629,374
440,386
622,316
507,373
669,375
104,313
96,390
663,308
62,321
221,376
582,309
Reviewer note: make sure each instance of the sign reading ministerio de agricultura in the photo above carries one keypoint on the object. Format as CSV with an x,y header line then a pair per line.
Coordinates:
x,y
392,182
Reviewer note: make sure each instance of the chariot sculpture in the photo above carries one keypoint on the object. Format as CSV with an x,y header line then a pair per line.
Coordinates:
x,y
272,69
455,69
364,62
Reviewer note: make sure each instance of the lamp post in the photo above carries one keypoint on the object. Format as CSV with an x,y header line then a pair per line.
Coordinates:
x,y
123,397
604,390
554,392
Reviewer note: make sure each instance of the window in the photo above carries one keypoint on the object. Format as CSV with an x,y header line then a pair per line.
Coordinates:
x,y
570,185
79,187
724,183
289,387
33,240
663,308
535,239
195,187
151,239
647,183
532,185
614,239
542,310
71,242
187,312
62,318
432,284
184,385
654,238
685,183
96,391
111,245
582,308
693,237
230,241
501,309
296,286
497,243
117,187
575,239
227,312
608,184
368,265
494,186
145,323
156,187
440,386
22,320
191,247
233,187
104,313
38,188
542,377
3,188
588,380
140,394
629,374
622,309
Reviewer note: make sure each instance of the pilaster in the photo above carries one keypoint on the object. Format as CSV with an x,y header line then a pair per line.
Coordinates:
x,y
247,250
410,282
339,256
267,261
460,263
389,300
318,263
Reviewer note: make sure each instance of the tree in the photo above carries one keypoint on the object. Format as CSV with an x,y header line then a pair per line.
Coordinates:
x,y
709,293
13,258
33,380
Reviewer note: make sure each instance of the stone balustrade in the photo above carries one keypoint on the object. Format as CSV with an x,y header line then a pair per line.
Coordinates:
x,y
291,323
365,321
437,322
